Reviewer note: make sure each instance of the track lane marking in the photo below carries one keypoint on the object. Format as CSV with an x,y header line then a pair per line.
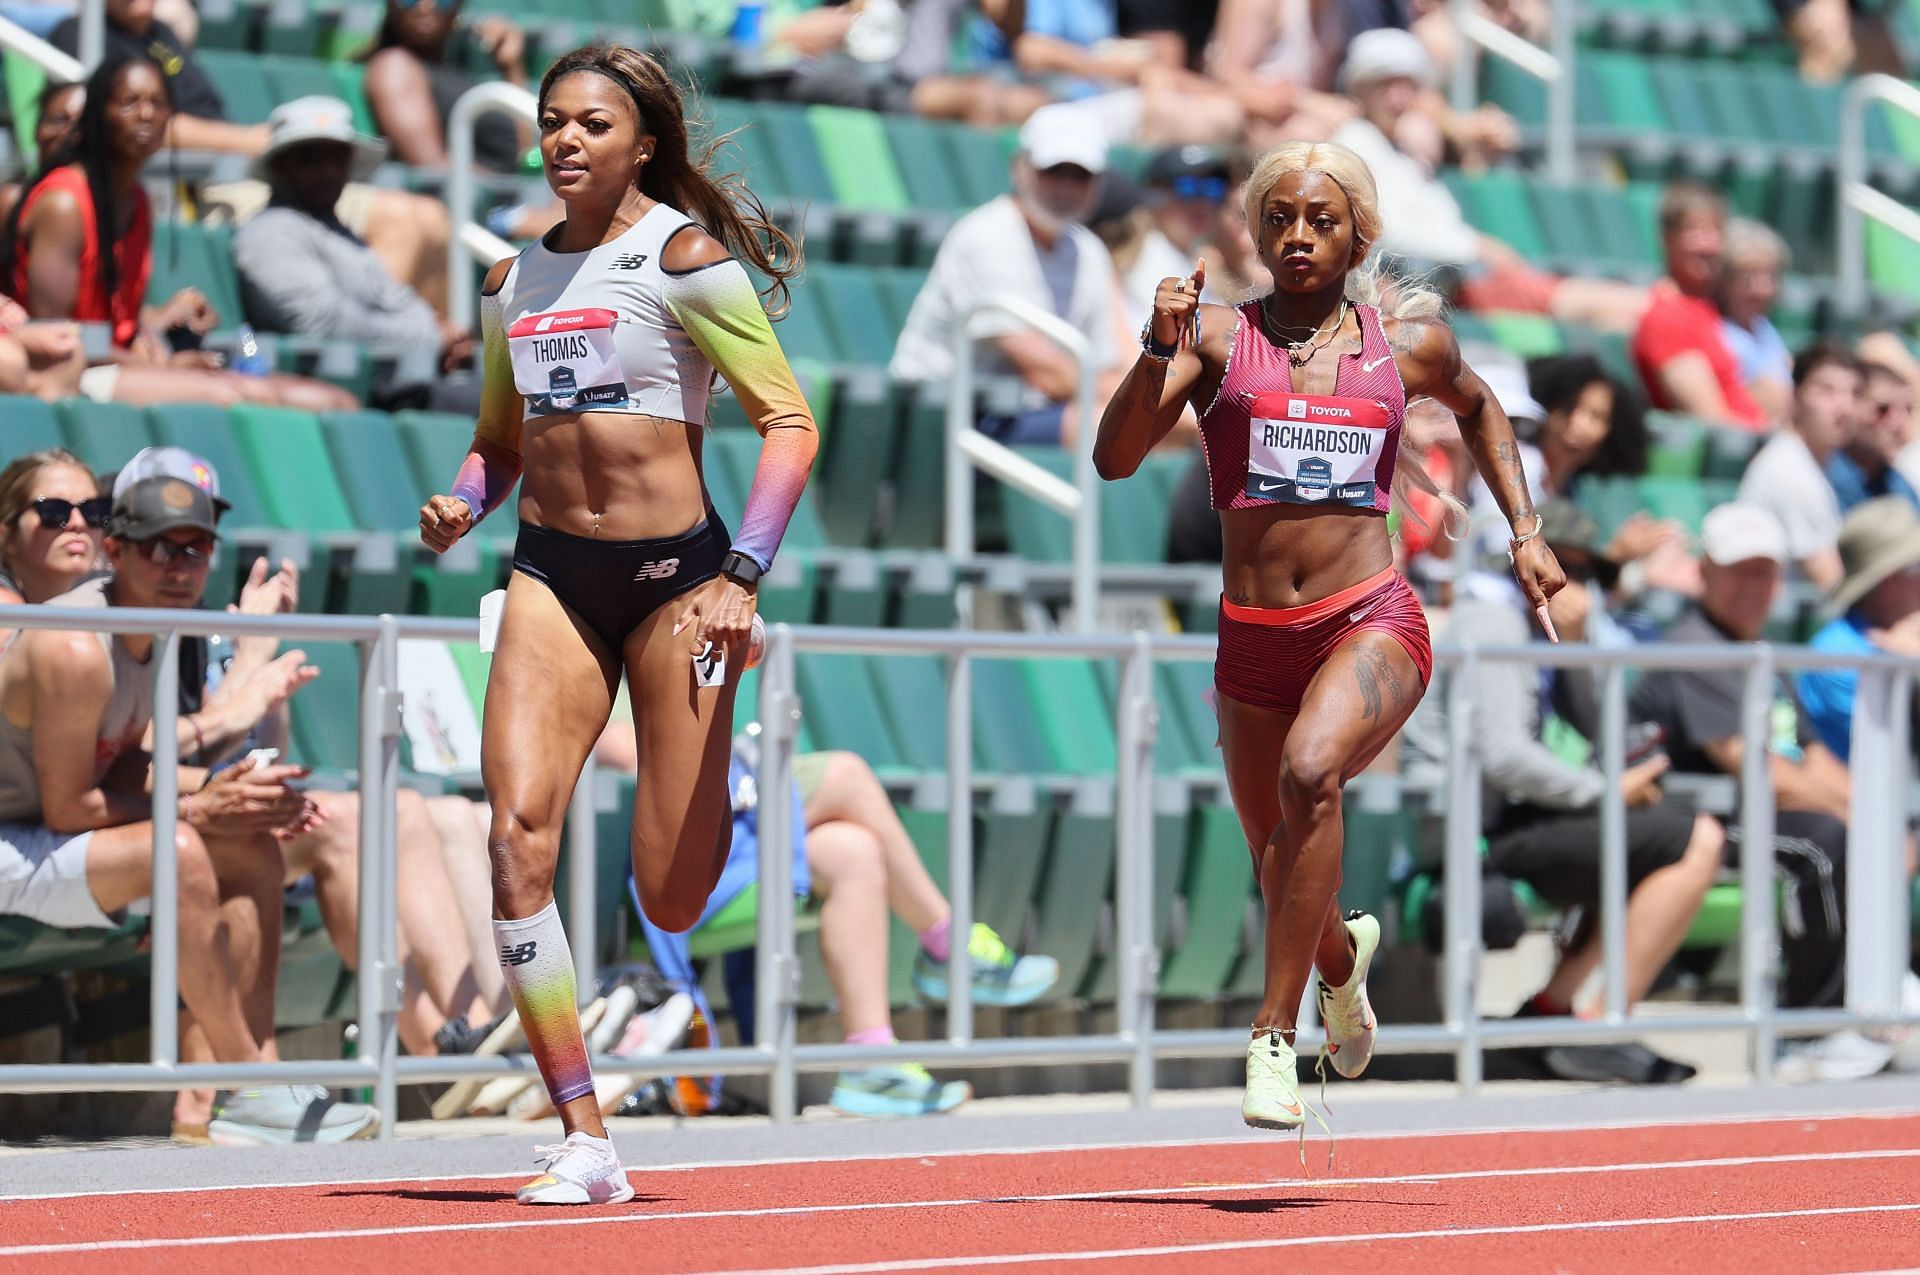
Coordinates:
x,y
872,1206
1310,1241
684,1166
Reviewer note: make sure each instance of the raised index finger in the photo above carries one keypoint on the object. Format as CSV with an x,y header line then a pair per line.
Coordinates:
x,y
1199,275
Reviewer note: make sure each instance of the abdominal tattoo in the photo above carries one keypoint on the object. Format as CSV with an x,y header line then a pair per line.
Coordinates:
x,y
1379,682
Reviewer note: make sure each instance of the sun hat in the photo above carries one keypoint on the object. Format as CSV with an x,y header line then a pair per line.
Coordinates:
x,y
317,119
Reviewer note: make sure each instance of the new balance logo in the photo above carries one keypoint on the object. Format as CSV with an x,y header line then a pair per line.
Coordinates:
x,y
630,261
661,570
519,954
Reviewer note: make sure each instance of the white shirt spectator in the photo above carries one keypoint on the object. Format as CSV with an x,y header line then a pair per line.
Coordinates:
x,y
991,252
1158,260
1422,220
1784,478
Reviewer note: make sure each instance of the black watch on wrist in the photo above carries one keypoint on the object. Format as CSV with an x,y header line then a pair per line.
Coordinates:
x,y
741,569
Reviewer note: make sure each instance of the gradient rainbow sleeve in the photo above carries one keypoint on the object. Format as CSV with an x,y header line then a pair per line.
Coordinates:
x,y
721,312
538,964
492,465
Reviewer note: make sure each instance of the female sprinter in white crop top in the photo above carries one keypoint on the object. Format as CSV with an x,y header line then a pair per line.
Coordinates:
x,y
600,343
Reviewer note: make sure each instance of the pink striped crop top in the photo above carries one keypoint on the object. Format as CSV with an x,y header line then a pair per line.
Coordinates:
x,y
1266,444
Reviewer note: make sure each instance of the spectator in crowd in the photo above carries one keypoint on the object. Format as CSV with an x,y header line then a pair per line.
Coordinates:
x,y
1866,466
1278,60
1030,244
302,270
1179,30
1387,71
415,75
59,115
198,120
1072,49
1699,713
79,246
76,820
1542,812
1750,271
44,359
1875,607
1680,345
852,853
1836,37
1787,477
1168,225
52,518
408,230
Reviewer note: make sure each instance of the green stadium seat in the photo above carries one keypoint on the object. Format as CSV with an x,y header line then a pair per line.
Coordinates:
x,y
1218,879
31,426
287,456
912,691
188,255
1679,446
921,159
326,715
1627,90
370,458
1007,737
857,597
838,695
916,517
1073,714
856,455
241,81
1078,874
1035,531
980,163
1528,335
105,435
851,300
859,161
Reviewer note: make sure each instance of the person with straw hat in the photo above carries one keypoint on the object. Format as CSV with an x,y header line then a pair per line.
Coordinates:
x,y
1875,607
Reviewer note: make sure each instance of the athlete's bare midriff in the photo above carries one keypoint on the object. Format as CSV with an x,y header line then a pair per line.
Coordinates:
x,y
1291,555
609,476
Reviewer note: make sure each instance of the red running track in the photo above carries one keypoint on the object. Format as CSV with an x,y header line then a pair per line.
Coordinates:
x,y
1817,1195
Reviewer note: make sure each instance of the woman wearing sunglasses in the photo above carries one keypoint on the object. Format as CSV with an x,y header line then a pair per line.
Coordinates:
x,y
51,520
603,341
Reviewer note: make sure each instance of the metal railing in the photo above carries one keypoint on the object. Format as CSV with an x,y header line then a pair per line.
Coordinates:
x,y
1552,66
1877,918
61,68
1855,198
472,242
968,449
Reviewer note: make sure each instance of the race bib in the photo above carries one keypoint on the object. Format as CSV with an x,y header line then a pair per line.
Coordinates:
x,y
566,361
1309,449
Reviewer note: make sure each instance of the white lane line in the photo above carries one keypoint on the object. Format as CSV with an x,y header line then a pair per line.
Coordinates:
x,y
685,1166
1310,1241
872,1206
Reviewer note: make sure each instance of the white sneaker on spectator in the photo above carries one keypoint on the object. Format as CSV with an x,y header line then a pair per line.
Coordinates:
x,y
1845,1055
1905,1041
281,1114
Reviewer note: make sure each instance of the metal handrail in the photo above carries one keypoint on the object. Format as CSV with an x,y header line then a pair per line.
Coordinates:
x,y
1855,198
472,242
1552,66
62,68
968,449
1876,909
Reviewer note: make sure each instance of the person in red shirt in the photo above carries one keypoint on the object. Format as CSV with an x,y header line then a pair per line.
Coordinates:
x,y
1678,348
79,245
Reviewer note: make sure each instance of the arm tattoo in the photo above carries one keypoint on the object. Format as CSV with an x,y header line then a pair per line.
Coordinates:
x,y
1507,454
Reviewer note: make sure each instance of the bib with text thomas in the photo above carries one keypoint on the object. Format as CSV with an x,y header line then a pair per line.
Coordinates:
x,y
1311,449
566,361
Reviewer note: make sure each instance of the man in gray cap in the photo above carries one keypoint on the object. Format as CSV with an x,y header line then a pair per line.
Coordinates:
x,y
76,830
301,270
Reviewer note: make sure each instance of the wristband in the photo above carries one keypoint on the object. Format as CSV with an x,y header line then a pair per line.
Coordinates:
x,y
1155,350
1539,524
741,569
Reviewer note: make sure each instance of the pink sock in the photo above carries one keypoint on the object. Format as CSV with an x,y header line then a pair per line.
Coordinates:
x,y
937,939
872,1036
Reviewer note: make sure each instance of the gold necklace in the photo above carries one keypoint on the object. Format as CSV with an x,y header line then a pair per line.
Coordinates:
x,y
1312,347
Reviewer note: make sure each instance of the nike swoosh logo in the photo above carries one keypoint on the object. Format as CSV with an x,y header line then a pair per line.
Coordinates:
x,y
1263,487
1291,1108
1368,367
1354,617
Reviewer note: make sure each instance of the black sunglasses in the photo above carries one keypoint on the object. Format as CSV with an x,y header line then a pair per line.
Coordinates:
x,y
55,512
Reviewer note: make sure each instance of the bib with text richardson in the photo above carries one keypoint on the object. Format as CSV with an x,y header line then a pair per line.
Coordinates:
x,y
1310,449
566,361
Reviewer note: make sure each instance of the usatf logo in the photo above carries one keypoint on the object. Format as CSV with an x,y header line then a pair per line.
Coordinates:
x,y
660,570
630,261
518,955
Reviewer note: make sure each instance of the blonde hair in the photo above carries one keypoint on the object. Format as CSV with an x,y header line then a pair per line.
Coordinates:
x,y
1368,283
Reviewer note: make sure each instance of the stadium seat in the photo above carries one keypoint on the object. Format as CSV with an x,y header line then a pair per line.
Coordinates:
x,y
205,431
287,457
104,435
837,691
326,715
241,81
370,458
1074,717
1006,728
912,694
1219,878
858,159
921,158
1077,877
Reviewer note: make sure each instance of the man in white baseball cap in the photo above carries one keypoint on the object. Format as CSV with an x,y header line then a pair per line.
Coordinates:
x,y
1744,565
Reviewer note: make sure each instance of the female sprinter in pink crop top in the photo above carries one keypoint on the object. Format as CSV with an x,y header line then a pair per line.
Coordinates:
x,y
1323,647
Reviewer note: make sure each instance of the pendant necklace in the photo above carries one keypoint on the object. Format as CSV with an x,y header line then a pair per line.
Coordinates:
x,y
1312,347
